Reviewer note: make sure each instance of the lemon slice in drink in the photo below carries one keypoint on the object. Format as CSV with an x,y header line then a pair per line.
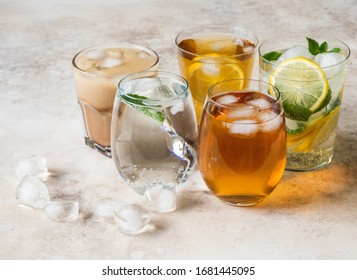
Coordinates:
x,y
210,69
302,85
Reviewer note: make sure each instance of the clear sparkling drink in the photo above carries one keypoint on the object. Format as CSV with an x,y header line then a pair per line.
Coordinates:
x,y
154,131
310,75
242,146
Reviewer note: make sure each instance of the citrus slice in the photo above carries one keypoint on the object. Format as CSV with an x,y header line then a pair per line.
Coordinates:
x,y
323,130
210,69
302,84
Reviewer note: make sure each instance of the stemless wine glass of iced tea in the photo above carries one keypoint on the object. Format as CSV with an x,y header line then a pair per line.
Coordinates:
x,y
242,141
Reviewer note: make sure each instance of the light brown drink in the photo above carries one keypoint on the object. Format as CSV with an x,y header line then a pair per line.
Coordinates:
x,y
97,72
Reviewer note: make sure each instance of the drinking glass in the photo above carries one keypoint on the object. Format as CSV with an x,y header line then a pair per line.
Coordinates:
x,y
154,130
242,141
97,72
210,54
310,75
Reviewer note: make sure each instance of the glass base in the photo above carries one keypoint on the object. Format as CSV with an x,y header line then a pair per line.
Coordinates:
x,y
307,161
104,150
242,200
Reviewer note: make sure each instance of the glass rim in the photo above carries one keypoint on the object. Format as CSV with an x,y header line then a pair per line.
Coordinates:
x,y
227,27
157,103
326,38
228,106
120,45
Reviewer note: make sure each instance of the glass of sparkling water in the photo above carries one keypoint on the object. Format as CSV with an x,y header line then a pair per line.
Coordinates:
x,y
154,130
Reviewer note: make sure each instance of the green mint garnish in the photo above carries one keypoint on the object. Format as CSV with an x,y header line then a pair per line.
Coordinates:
x,y
296,112
315,48
137,102
272,56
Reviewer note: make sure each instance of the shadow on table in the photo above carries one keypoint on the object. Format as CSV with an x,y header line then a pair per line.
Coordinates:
x,y
335,183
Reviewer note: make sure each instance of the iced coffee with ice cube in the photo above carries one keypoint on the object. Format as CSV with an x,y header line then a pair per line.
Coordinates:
x,y
210,54
242,142
97,72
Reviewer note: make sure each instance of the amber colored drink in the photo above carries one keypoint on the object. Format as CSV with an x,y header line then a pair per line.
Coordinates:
x,y
242,146
208,57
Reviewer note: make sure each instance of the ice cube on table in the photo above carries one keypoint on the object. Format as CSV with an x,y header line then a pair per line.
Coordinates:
x,y
160,199
104,210
330,63
110,62
243,128
32,192
132,219
241,111
32,165
296,51
62,210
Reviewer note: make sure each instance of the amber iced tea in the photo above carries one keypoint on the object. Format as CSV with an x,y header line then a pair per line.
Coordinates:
x,y
212,54
242,146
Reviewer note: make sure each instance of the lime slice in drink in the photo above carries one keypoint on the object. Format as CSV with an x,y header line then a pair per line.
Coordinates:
x,y
303,87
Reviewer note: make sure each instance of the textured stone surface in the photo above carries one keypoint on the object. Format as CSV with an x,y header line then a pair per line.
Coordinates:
x,y
310,215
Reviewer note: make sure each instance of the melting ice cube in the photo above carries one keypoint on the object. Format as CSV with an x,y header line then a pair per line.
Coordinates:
x,y
32,192
110,62
160,199
105,208
227,99
260,103
32,165
270,121
132,219
242,111
295,51
330,63
95,54
60,211
243,128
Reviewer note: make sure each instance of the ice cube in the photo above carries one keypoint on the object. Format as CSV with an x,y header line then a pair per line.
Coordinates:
x,y
211,69
145,86
160,199
260,103
32,192
32,165
295,51
132,219
241,111
105,208
62,210
179,106
270,121
243,128
110,62
227,99
95,54
330,63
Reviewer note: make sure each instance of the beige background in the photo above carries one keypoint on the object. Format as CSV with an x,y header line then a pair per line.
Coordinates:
x,y
310,215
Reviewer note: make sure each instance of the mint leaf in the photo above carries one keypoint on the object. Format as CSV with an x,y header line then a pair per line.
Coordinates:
x,y
137,102
296,112
325,102
314,47
335,50
272,56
